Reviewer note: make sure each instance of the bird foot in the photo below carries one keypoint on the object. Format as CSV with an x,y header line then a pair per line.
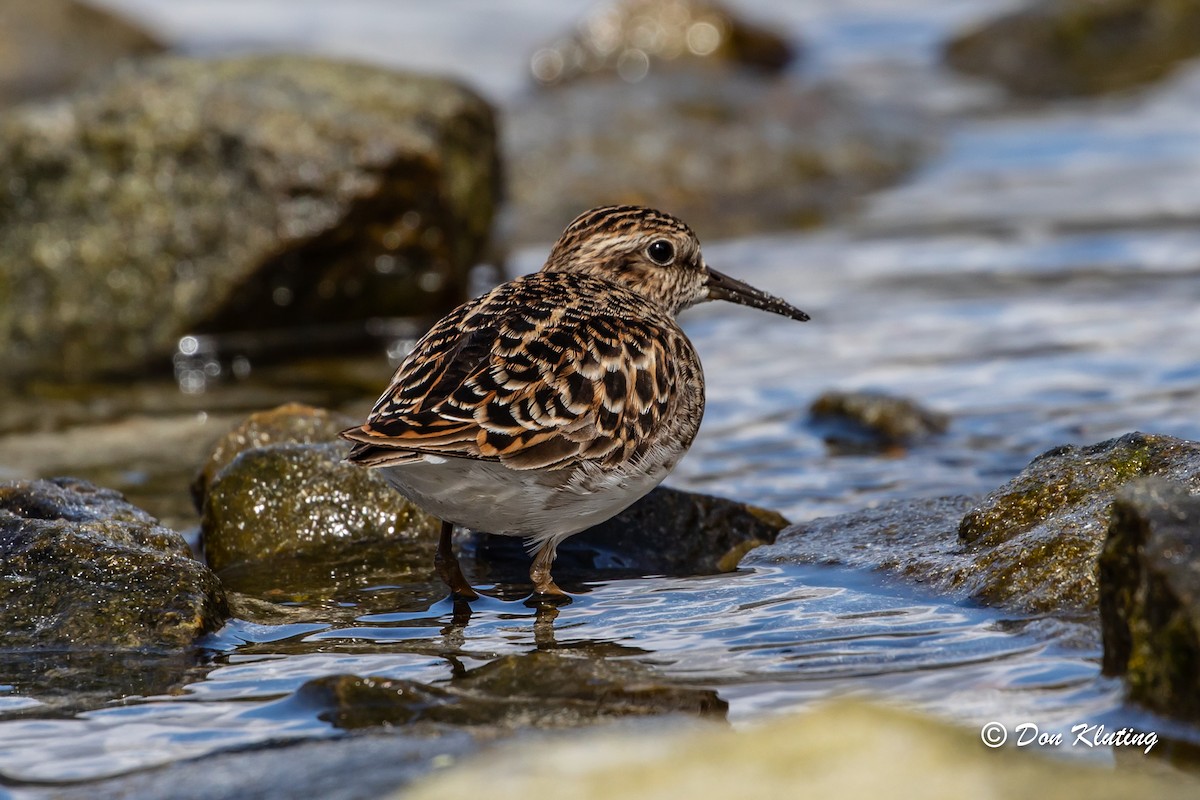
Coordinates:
x,y
451,573
547,594
460,588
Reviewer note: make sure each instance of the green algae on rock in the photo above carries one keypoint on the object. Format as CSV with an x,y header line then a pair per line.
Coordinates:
x,y
291,422
182,196
1150,596
47,46
1036,540
282,512
1031,546
1080,47
84,568
285,500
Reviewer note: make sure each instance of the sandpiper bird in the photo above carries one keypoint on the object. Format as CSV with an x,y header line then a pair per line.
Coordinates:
x,y
556,400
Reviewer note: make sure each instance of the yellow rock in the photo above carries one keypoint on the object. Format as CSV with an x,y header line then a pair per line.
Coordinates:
x,y
841,750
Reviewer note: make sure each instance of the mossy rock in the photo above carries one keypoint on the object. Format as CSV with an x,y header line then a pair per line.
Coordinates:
x,y
1080,47
85,569
292,422
1150,596
1031,546
284,502
182,196
1037,538
284,516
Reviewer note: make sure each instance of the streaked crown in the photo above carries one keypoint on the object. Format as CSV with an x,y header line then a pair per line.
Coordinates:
x,y
648,251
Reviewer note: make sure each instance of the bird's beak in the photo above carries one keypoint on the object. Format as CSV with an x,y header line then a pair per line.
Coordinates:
x,y
723,287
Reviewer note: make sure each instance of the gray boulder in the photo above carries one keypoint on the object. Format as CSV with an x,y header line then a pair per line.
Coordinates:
x,y
183,196
85,569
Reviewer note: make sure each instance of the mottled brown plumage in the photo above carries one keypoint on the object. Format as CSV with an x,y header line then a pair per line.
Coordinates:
x,y
558,399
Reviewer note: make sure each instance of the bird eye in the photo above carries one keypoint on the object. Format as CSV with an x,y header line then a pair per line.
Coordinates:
x,y
661,252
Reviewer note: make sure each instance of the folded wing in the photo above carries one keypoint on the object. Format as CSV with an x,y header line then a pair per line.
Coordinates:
x,y
535,384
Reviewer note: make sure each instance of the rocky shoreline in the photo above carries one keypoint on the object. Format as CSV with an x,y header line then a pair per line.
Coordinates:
x,y
167,204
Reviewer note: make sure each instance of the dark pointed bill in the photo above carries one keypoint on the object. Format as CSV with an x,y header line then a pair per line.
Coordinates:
x,y
723,287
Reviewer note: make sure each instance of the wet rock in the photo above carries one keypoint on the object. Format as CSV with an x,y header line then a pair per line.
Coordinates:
x,y
540,688
1080,47
184,196
1032,545
291,422
284,517
65,680
915,539
629,38
84,568
1150,596
844,749
286,505
47,46
867,421
730,153
1038,537
667,532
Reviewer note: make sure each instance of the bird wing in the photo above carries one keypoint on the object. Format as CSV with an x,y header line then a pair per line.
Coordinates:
x,y
532,382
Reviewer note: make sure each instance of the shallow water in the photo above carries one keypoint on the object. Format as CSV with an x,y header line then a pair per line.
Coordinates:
x,y
1038,281
768,641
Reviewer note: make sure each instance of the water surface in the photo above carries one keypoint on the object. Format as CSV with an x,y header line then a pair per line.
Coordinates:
x,y
1037,280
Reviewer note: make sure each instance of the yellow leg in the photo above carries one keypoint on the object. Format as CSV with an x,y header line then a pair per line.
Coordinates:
x,y
447,567
544,587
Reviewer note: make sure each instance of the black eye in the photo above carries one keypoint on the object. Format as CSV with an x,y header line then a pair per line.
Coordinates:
x,y
661,252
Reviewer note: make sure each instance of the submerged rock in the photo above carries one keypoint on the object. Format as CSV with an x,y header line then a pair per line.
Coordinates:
x,y
850,750
629,38
1032,545
1150,596
915,539
866,421
47,46
1080,47
186,196
540,688
84,568
667,532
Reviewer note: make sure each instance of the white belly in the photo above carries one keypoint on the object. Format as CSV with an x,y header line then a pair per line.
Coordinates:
x,y
540,505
